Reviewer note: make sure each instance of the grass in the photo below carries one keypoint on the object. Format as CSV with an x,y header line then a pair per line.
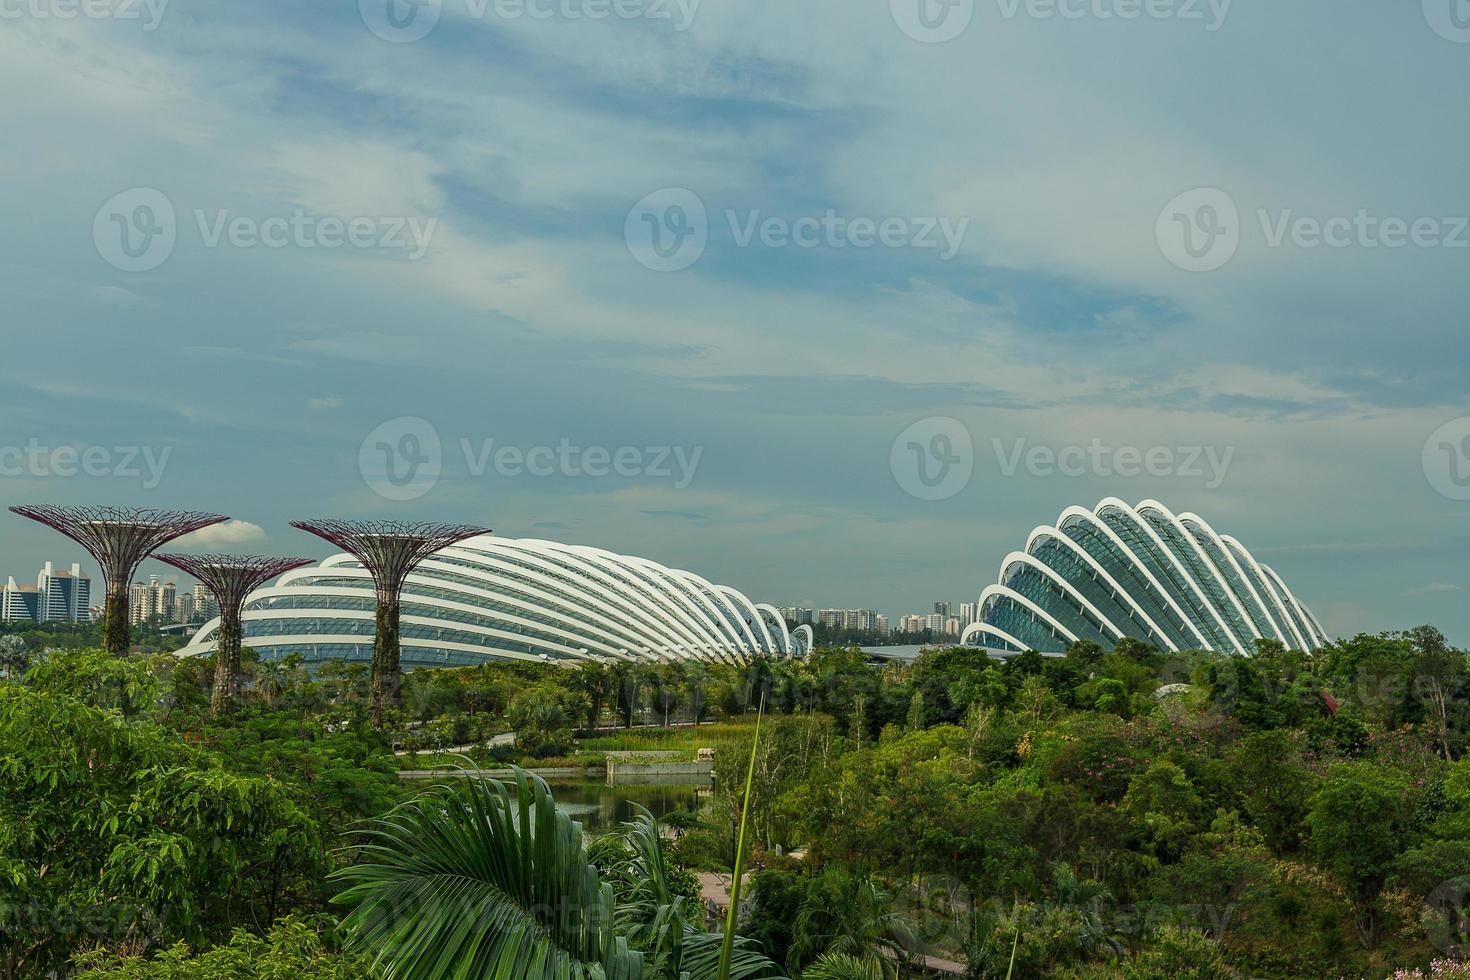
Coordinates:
x,y
670,739
592,751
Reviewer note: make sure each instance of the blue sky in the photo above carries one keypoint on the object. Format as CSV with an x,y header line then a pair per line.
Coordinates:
x,y
1059,144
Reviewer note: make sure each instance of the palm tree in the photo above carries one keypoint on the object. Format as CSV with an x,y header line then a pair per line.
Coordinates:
x,y
478,878
841,966
850,915
666,926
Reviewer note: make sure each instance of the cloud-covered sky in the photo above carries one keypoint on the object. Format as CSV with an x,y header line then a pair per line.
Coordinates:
x,y
251,246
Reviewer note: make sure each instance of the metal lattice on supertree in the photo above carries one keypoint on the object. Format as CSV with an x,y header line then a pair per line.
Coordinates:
x,y
119,538
231,578
389,550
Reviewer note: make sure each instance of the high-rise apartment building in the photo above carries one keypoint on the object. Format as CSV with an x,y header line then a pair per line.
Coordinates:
x,y
64,596
152,602
19,603
57,597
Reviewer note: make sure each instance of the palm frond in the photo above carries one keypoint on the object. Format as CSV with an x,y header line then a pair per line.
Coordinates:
x,y
475,879
668,927
841,966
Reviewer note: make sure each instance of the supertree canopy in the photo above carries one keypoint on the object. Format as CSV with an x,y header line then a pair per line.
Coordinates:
x,y
231,578
119,538
389,550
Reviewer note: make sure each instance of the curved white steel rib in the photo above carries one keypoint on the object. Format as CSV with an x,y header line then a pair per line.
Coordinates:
x,y
1232,597
1121,594
974,629
1113,503
1191,519
1241,639
1083,514
1281,609
1306,617
993,592
526,600
1022,558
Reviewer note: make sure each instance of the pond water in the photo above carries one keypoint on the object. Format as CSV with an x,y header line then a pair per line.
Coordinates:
x,y
599,807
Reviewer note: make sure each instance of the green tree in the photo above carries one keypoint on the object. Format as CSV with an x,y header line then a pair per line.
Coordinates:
x,y
117,833
292,948
485,879
1357,826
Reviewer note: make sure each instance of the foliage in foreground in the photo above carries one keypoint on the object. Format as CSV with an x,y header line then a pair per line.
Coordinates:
x,y
485,879
292,948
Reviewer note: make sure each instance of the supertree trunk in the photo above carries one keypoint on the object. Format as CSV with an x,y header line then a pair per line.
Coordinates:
x,y
389,551
119,539
116,635
230,578
387,671
226,695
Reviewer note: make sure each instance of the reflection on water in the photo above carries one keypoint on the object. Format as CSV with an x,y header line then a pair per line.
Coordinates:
x,y
599,807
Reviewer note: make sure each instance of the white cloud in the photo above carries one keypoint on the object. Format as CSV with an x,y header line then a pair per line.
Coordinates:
x,y
227,535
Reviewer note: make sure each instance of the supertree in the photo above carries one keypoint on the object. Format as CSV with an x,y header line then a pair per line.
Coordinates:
x,y
389,550
231,578
119,538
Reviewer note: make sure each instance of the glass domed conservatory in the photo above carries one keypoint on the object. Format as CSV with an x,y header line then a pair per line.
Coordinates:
x,y
1142,572
487,599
